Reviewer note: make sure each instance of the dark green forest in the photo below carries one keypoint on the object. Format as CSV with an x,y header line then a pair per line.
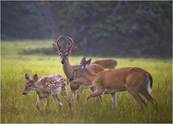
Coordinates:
x,y
114,28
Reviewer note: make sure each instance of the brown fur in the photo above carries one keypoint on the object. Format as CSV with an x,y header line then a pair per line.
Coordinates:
x,y
131,79
107,63
120,79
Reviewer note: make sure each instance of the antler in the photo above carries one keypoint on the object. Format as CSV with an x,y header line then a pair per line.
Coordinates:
x,y
56,45
70,44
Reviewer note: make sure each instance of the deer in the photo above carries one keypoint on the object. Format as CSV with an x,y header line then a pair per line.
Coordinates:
x,y
68,68
136,81
47,87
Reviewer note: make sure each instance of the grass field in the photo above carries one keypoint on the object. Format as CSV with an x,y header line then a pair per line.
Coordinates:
x,y
18,108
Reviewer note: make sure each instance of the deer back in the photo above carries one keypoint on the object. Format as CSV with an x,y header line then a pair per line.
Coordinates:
x,y
51,83
95,68
106,63
120,79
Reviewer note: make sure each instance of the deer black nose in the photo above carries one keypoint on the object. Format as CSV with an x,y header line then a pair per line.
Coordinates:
x,y
62,62
24,93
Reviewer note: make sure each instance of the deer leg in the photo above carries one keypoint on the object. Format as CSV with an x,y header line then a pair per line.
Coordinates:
x,y
57,101
114,100
99,98
97,92
78,93
147,95
74,96
47,103
138,98
38,103
64,94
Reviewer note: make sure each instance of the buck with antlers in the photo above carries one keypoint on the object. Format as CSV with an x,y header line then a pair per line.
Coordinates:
x,y
45,87
68,68
136,81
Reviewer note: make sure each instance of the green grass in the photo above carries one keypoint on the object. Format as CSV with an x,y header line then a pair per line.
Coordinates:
x,y
18,108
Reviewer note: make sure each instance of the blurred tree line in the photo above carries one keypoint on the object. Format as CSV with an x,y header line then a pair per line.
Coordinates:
x,y
114,28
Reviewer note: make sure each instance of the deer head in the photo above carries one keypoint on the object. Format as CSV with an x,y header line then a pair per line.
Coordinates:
x,y
81,71
63,53
84,63
30,83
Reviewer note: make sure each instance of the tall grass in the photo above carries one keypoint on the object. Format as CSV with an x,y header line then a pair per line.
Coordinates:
x,y
18,108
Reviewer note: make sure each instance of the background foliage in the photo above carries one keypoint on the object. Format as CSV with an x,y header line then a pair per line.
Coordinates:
x,y
120,30
114,28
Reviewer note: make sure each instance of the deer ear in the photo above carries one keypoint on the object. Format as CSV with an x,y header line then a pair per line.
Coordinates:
x,y
26,76
35,77
88,61
83,60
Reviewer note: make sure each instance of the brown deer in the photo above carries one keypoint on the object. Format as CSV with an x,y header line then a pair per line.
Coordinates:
x,y
45,87
136,81
68,68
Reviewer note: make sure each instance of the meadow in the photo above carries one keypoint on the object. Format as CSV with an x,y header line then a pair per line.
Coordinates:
x,y
18,108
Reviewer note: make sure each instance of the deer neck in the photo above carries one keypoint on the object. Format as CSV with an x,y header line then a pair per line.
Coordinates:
x,y
67,69
90,75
